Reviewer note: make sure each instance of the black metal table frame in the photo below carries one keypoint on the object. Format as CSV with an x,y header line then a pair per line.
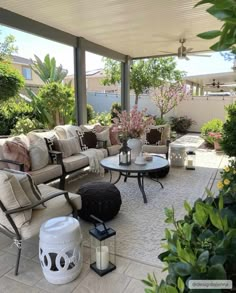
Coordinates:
x,y
140,176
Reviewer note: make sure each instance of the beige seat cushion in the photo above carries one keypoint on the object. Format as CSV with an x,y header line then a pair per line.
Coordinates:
x,y
13,196
54,208
46,174
75,162
156,149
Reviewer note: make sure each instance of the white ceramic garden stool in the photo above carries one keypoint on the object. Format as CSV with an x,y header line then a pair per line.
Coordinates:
x,y
177,155
60,249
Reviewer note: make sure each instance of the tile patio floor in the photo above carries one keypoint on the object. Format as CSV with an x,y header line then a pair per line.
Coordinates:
x,y
125,279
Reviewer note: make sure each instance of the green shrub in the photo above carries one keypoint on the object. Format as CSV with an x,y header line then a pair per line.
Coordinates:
x,y
11,81
10,111
90,112
25,125
214,125
115,106
160,121
103,118
228,142
202,245
181,124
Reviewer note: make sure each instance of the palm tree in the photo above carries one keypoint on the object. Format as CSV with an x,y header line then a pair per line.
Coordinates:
x,y
47,69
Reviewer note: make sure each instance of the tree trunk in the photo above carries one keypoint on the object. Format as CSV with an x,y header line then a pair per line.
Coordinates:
x,y
57,116
136,100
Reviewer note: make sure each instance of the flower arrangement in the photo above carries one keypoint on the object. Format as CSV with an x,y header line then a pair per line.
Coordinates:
x,y
132,124
217,136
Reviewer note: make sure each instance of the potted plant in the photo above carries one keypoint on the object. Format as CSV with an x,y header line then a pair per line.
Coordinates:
x,y
217,137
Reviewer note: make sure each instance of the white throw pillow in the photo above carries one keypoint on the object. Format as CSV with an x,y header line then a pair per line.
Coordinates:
x,y
68,147
13,196
38,152
104,136
30,188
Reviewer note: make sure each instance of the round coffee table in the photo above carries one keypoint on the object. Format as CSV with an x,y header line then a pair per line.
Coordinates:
x,y
134,170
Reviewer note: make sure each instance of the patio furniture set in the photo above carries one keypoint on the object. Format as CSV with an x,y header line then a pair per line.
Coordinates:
x,y
27,203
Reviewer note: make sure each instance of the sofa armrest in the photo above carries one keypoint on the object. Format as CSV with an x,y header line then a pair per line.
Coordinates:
x,y
21,165
56,157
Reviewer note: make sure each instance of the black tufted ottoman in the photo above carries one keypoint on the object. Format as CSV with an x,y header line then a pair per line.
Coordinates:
x,y
101,199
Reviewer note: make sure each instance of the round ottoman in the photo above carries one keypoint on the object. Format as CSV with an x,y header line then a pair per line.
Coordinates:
x,y
60,249
101,199
177,155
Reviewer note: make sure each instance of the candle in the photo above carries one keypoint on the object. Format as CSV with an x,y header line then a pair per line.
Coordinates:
x,y
190,162
102,257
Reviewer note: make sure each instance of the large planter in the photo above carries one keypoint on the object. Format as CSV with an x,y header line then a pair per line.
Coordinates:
x,y
217,146
135,144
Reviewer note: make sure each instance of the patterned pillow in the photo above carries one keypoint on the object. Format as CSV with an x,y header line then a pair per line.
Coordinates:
x,y
16,150
13,196
30,188
154,136
68,147
87,140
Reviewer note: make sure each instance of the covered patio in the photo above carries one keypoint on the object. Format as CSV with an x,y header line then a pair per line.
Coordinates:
x,y
124,31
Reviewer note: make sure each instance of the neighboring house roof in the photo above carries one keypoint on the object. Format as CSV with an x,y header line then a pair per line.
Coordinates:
x,y
21,60
94,73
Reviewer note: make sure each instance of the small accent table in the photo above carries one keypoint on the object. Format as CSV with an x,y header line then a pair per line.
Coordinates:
x,y
135,171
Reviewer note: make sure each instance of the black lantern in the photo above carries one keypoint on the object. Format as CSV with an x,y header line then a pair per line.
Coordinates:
x,y
190,160
125,154
102,248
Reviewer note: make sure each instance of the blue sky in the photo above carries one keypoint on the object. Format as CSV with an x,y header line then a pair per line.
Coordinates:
x,y
28,45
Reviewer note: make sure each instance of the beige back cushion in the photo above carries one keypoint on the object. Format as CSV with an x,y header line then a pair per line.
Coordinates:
x,y
165,133
30,188
66,131
68,147
13,196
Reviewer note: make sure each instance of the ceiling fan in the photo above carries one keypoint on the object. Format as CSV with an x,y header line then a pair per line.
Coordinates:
x,y
183,51
215,83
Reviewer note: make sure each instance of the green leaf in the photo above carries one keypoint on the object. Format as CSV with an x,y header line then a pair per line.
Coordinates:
x,y
217,272
203,259
209,35
200,216
216,220
182,269
221,202
217,259
180,284
187,229
148,283
219,13
204,2
187,206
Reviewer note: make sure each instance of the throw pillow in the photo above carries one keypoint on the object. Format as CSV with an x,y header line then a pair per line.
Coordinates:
x,y
154,136
38,152
68,147
114,136
104,135
87,140
13,196
16,150
30,188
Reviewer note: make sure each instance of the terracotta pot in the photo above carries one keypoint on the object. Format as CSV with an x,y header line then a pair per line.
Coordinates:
x,y
217,146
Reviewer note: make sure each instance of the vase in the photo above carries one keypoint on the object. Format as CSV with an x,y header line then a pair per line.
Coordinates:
x,y
135,144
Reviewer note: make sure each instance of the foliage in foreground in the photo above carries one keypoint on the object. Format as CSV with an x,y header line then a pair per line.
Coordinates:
x,y
202,246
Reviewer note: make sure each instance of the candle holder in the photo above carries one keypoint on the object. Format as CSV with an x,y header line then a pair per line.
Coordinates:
x,y
102,248
125,154
190,160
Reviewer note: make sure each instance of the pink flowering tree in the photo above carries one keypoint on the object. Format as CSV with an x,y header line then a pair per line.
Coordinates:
x,y
168,96
132,124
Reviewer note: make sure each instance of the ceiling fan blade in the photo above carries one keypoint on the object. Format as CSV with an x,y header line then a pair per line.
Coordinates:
x,y
188,50
199,55
167,52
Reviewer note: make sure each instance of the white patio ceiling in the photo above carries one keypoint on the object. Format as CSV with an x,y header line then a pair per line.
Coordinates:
x,y
136,28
